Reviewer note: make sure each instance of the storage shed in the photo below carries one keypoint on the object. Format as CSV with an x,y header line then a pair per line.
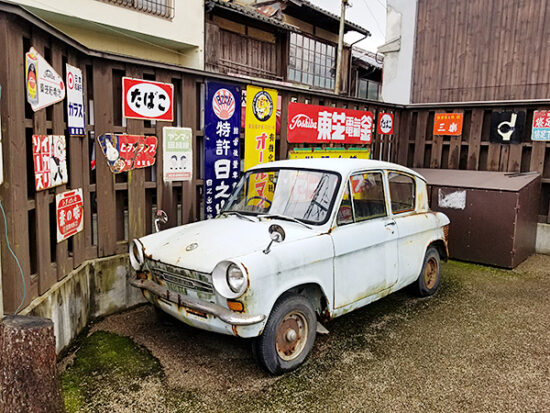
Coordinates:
x,y
493,214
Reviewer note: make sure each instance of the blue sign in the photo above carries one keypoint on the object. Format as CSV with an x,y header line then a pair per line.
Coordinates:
x,y
222,155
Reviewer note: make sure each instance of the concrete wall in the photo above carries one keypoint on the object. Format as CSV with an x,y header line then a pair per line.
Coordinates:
x,y
108,27
543,239
399,51
97,288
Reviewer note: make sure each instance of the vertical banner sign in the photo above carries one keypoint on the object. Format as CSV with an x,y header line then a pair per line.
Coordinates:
x,y
259,140
177,150
44,86
75,101
448,124
541,126
70,211
507,127
385,124
222,155
145,99
50,161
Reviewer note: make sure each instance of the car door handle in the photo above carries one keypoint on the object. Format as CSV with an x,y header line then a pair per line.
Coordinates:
x,y
389,224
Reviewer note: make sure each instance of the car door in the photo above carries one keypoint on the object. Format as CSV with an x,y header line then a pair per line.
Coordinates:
x,y
365,240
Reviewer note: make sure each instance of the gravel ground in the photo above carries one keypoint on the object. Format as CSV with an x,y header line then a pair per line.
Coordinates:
x,y
481,344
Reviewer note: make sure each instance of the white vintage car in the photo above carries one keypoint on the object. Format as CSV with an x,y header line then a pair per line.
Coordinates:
x,y
298,241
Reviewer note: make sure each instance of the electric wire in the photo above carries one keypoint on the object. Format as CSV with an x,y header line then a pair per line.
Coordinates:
x,y
374,18
16,260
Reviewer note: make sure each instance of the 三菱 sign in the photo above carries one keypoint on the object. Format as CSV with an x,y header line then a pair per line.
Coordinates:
x,y
448,124
75,101
69,213
322,124
541,126
385,124
222,155
308,153
145,99
50,161
177,151
44,86
126,152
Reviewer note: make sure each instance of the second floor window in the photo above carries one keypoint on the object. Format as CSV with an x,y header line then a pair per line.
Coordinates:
x,y
311,62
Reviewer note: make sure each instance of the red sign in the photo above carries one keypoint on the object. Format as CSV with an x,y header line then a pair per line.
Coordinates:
x,y
144,99
50,161
322,124
127,152
448,124
385,124
70,211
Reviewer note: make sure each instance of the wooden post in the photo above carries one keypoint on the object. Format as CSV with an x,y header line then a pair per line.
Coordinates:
x,y
29,381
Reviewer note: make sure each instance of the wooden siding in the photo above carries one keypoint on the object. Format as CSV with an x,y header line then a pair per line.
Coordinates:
x,y
481,50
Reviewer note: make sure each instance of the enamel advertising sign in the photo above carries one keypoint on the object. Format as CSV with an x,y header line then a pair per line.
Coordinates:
x,y
69,213
177,154
323,124
50,161
222,154
75,101
448,124
145,99
385,124
126,152
313,153
44,86
541,126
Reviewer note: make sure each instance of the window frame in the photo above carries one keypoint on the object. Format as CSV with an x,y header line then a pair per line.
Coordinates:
x,y
415,187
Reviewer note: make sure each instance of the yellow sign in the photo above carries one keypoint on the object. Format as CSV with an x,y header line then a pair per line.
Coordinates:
x,y
260,127
307,153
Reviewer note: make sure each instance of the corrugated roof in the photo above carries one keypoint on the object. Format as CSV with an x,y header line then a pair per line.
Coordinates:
x,y
370,58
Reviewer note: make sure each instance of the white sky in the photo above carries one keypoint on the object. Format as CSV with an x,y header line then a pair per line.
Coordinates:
x,y
370,14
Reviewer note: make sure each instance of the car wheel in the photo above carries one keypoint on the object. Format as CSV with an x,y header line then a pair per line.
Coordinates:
x,y
288,335
428,280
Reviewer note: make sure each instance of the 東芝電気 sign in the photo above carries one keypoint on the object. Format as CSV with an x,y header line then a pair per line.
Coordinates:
x,y
44,86
323,124
145,99
448,124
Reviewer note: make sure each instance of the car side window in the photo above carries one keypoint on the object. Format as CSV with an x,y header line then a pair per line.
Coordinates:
x,y
345,213
402,192
368,196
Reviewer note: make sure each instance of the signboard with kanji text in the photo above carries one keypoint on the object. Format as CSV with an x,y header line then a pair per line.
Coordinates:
x,y
145,99
44,86
448,124
385,124
126,152
324,124
177,148
50,161
75,101
541,126
222,155
69,213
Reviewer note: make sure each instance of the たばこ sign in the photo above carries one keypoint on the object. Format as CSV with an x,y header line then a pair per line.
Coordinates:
x,y
145,99
69,213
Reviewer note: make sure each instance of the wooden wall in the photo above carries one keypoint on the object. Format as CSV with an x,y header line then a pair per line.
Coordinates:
x,y
481,50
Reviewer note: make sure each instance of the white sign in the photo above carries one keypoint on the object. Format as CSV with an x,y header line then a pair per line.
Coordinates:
x,y
177,153
44,86
75,101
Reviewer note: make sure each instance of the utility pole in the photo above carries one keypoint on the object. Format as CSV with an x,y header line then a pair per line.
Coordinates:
x,y
340,47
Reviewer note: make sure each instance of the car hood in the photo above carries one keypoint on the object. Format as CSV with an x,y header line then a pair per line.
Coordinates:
x,y
201,245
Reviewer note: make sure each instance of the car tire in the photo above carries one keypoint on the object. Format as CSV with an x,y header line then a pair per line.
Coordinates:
x,y
428,279
288,335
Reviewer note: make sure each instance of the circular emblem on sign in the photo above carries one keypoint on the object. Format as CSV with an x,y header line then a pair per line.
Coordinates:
x,y
223,104
386,123
262,106
191,247
70,80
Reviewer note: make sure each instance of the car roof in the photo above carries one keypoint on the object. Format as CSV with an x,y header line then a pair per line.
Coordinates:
x,y
344,166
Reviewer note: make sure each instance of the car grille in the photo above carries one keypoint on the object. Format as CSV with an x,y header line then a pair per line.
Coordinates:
x,y
179,279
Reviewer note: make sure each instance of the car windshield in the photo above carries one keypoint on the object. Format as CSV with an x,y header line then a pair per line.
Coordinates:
x,y
305,195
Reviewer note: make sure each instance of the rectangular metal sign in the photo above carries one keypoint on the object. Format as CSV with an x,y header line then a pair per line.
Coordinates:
x,y
145,99
177,150
541,126
69,213
222,155
75,101
126,152
50,161
312,153
385,123
44,86
507,127
325,124
448,124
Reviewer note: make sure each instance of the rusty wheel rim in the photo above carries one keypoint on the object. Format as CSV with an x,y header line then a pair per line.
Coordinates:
x,y
430,273
291,336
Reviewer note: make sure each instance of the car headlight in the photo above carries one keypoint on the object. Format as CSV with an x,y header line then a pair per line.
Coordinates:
x,y
235,278
136,254
229,279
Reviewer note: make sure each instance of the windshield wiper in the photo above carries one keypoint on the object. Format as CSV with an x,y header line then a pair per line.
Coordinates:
x,y
285,217
237,214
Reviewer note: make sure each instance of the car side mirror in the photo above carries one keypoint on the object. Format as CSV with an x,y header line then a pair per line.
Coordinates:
x,y
277,234
161,218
